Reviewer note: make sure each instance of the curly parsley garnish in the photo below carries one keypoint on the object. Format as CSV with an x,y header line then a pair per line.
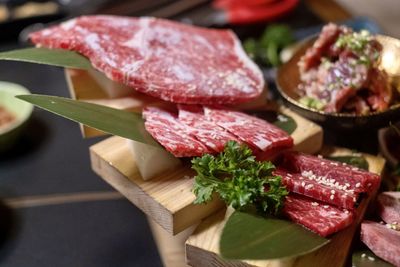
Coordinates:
x,y
239,179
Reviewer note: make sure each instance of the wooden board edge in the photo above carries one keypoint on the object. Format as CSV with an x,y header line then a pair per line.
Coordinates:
x,y
170,248
118,181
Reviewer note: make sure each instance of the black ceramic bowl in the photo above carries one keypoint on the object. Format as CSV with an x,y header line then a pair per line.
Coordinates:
x,y
288,79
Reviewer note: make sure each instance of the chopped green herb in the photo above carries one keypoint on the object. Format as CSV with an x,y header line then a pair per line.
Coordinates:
x,y
312,102
239,179
359,43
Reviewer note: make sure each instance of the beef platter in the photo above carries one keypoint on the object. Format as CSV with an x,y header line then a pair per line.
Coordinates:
x,y
202,73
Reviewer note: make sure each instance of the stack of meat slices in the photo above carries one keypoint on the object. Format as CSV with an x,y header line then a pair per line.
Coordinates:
x,y
323,192
196,130
384,240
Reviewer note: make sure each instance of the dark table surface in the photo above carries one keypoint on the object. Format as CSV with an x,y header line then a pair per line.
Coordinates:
x,y
52,159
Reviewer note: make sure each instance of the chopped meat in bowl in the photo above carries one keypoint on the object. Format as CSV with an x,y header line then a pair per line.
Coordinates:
x,y
343,79
340,73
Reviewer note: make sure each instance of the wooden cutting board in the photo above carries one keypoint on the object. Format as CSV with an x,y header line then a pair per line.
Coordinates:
x,y
167,199
202,248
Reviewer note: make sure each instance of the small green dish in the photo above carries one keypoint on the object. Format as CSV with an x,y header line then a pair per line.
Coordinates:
x,y
20,109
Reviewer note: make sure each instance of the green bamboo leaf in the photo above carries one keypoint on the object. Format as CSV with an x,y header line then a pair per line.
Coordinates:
x,y
357,161
113,121
286,123
54,57
247,236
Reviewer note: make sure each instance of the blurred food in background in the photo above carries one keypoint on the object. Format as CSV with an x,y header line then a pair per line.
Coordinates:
x,y
6,117
266,50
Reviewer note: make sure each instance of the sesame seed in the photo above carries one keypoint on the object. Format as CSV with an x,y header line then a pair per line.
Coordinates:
x,y
358,185
332,197
320,156
333,192
371,258
314,204
346,211
363,255
303,184
326,206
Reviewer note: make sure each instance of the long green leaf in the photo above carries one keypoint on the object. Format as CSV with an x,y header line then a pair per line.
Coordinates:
x,y
247,236
357,161
113,121
54,57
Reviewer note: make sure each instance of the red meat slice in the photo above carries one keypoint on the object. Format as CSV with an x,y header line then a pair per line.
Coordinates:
x,y
254,131
321,190
207,132
318,217
384,242
165,59
389,207
320,48
337,173
171,134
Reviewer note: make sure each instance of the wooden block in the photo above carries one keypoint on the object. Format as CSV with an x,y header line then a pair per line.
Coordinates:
x,y
168,199
171,248
83,87
202,248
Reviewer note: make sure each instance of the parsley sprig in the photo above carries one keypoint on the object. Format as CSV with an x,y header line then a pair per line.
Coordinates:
x,y
239,179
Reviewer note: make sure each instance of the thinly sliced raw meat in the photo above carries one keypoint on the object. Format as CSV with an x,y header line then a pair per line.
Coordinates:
x,y
207,132
335,173
389,207
318,217
257,132
165,59
317,189
384,242
171,134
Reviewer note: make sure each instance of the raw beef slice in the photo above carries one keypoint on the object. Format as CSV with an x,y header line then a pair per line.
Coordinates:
x,y
171,134
204,130
384,242
336,173
320,218
389,207
251,130
165,59
317,189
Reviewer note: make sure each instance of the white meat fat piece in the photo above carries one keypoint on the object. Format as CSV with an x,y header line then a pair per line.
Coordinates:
x,y
152,161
